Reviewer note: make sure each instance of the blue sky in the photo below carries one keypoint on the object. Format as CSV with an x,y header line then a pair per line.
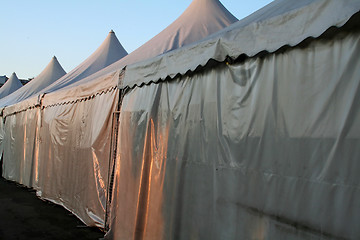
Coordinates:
x,y
32,32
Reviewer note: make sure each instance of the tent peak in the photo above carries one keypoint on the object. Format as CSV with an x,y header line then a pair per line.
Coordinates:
x,y
50,74
107,53
11,85
200,19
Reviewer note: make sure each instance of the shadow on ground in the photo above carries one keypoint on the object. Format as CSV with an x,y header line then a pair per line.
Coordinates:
x,y
24,216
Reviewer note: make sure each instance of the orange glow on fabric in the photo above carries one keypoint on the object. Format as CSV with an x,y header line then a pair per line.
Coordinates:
x,y
150,218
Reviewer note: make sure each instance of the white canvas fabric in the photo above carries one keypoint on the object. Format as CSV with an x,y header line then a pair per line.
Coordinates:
x,y
301,19
214,154
266,147
281,23
201,19
263,149
18,145
11,85
51,73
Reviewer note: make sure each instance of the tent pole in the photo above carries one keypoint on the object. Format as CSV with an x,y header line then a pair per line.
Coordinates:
x,y
112,157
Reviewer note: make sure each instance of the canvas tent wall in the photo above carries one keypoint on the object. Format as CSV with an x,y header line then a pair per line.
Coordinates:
x,y
72,146
52,72
23,123
255,138
11,85
22,111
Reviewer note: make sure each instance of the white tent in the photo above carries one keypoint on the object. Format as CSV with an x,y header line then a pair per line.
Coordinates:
x,y
252,133
52,72
21,109
69,153
11,85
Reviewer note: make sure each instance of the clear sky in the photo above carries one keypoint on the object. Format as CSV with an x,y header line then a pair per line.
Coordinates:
x,y
33,31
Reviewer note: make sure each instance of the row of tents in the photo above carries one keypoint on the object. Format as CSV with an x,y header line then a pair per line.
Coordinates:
x,y
214,129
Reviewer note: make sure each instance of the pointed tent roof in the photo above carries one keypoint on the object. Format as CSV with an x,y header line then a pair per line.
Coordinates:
x,y
280,23
11,85
109,52
51,73
200,19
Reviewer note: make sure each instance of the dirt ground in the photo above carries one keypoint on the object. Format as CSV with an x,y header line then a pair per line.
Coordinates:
x,y
24,216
